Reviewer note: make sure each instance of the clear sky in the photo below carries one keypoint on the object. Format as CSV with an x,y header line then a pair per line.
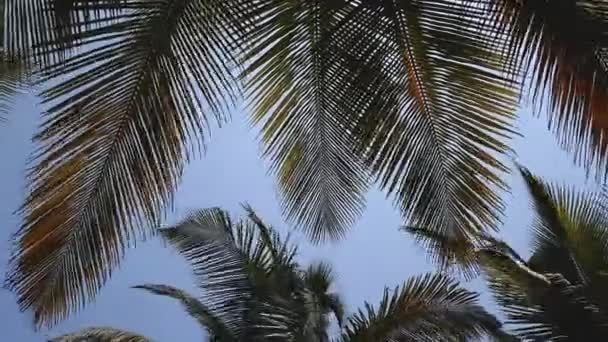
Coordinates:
x,y
374,255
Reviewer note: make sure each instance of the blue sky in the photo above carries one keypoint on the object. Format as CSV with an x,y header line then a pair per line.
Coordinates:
x,y
374,255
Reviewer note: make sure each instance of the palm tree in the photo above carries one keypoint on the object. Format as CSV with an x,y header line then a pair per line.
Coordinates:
x,y
415,95
559,292
254,290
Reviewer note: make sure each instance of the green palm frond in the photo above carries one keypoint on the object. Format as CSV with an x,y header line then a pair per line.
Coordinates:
x,y
567,64
215,326
101,334
122,110
435,111
295,84
425,308
282,251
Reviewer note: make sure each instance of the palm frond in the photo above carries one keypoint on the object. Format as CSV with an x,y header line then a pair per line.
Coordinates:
x,y
570,231
294,84
449,253
319,302
435,109
568,64
13,77
425,308
282,251
543,307
47,31
122,110
101,334
207,240
13,71
247,272
214,325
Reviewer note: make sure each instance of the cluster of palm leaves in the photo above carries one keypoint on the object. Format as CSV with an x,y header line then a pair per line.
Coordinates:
x,y
559,292
254,290
416,96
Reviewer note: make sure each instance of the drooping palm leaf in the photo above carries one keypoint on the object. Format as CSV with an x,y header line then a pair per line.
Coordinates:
x,y
101,335
295,86
425,308
567,64
215,326
439,112
121,112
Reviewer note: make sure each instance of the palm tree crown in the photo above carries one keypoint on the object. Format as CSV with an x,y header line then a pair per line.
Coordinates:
x,y
559,292
254,290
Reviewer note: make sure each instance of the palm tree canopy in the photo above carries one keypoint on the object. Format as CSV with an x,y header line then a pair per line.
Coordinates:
x,y
558,292
254,290
417,95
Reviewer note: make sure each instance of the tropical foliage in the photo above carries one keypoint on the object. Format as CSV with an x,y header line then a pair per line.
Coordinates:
x,y
254,290
13,73
559,292
417,96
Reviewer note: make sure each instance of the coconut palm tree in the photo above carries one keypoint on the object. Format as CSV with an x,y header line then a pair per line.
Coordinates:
x,y
415,95
558,292
254,290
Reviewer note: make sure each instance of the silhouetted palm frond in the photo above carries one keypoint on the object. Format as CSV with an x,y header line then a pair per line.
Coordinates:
x,y
295,86
102,335
425,308
215,326
567,66
13,76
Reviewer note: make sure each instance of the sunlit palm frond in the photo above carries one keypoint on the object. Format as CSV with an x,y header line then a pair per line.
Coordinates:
x,y
295,86
568,65
425,308
435,111
214,325
101,335
121,112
